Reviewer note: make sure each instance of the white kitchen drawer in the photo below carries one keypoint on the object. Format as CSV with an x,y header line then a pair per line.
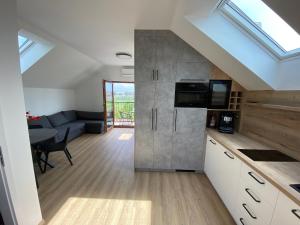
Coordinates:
x,y
243,218
248,213
287,212
256,201
259,185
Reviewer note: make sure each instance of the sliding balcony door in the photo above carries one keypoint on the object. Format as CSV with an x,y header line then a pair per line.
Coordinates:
x,y
123,94
108,104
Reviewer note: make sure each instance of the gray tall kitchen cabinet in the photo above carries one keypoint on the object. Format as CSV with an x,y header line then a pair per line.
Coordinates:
x,y
161,59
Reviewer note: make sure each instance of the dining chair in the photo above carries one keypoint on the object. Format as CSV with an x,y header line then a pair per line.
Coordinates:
x,y
57,147
35,154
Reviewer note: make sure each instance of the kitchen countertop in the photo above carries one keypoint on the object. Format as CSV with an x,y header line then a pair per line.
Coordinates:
x,y
280,174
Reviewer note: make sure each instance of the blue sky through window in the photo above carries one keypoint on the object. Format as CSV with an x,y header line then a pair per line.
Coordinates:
x,y
22,41
269,22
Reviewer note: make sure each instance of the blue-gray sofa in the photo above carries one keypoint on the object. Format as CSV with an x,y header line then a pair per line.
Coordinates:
x,y
78,121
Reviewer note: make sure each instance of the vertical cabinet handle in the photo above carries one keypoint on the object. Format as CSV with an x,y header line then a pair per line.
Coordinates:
x,y
156,119
153,75
248,211
157,77
296,212
255,178
152,119
175,120
1,158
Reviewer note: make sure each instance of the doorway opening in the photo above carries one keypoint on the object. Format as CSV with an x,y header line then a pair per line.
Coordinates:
x,y
118,104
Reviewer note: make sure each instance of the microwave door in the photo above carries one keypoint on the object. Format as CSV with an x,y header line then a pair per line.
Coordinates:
x,y
191,99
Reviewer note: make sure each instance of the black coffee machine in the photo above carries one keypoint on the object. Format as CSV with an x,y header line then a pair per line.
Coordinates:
x,y
226,123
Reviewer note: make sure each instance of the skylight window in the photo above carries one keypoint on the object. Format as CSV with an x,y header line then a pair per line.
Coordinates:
x,y
24,43
255,16
31,49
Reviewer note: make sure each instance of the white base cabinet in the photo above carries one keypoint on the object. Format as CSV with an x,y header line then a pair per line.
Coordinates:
x,y
223,170
287,212
250,198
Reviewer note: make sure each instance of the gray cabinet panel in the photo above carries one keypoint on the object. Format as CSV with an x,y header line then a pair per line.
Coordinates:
x,y
189,54
188,152
165,96
191,64
144,119
145,58
188,139
163,147
166,57
163,126
172,60
193,70
190,120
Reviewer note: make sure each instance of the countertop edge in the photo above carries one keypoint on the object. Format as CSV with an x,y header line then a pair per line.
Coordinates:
x,y
288,192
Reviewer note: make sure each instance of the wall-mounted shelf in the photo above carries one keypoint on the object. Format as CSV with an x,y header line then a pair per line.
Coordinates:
x,y
274,106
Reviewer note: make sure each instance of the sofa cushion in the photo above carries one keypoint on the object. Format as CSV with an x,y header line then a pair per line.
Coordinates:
x,y
93,126
57,119
43,121
82,115
70,115
76,128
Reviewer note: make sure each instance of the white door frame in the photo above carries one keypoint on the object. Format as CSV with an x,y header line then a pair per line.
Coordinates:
x,y
6,207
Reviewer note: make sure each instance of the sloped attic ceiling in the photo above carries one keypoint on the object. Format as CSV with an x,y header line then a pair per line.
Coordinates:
x,y
61,67
100,28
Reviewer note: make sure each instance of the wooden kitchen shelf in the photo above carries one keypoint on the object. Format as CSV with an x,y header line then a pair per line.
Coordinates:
x,y
274,106
235,101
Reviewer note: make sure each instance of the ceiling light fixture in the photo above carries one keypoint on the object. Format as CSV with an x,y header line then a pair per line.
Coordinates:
x,y
123,55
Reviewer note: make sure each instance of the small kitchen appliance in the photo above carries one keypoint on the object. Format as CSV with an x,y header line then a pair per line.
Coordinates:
x,y
226,123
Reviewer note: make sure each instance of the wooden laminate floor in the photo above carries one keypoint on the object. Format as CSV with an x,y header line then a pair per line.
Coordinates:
x,y
103,189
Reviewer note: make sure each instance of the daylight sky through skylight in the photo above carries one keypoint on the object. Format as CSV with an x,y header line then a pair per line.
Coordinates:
x,y
270,23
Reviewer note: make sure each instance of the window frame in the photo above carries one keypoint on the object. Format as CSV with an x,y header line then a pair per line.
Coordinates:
x,y
26,45
236,15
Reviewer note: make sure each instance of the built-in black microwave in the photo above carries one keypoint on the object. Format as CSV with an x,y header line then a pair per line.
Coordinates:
x,y
192,95
219,94
214,94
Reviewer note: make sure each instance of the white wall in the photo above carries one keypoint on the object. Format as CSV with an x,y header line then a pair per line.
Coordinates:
x,y
14,135
89,93
45,101
288,75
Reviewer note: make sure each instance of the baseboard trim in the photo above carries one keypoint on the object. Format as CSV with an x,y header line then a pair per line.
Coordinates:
x,y
166,170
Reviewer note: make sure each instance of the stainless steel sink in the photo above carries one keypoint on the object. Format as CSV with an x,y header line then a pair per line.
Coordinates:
x,y
267,155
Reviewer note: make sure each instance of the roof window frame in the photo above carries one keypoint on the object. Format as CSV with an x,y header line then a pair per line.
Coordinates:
x,y
236,15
